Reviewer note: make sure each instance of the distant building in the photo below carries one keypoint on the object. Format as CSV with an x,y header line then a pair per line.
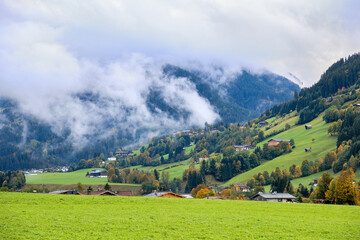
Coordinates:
x,y
263,123
240,187
123,153
308,127
64,192
273,197
357,104
275,142
316,181
98,173
307,149
168,195
243,147
111,159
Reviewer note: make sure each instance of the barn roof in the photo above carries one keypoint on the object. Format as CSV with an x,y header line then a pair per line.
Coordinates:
x,y
274,195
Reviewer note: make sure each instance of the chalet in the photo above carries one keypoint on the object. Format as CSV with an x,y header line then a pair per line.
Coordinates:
x,y
204,158
273,197
263,123
111,159
98,173
307,127
240,187
123,154
98,193
64,192
307,149
275,142
316,181
243,147
168,195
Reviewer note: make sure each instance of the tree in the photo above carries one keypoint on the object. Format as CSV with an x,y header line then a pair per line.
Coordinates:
x,y
323,185
80,187
261,135
345,190
202,193
107,187
203,171
156,174
305,168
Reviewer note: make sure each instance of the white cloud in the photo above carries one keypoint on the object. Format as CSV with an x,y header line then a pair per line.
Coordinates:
x,y
51,50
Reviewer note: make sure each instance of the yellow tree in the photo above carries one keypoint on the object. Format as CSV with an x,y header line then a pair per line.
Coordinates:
x,y
345,190
204,193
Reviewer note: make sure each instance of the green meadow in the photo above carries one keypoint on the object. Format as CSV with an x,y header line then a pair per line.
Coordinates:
x,y
175,169
67,178
45,216
303,139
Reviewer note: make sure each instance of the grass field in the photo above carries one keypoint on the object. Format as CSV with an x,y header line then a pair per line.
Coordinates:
x,y
303,139
175,169
43,216
66,178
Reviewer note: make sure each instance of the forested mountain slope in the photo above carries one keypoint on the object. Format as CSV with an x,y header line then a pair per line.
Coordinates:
x,y
104,122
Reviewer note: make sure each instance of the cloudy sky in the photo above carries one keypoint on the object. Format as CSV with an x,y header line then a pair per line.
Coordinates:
x,y
51,50
301,37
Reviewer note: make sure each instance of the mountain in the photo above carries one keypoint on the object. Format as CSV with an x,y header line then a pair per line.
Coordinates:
x,y
87,123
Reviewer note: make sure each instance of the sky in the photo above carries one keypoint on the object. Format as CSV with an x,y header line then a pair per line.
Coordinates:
x,y
52,50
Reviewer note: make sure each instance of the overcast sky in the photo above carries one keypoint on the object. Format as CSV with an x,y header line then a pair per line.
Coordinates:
x,y
301,37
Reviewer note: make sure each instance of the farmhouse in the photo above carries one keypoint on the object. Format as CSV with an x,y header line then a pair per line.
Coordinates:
x,y
168,195
98,173
240,187
275,142
102,193
307,149
263,123
64,192
316,181
273,197
243,147
123,153
307,127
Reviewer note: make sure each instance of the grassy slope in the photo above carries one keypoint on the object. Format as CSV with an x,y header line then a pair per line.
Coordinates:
x,y
66,178
303,139
42,216
176,171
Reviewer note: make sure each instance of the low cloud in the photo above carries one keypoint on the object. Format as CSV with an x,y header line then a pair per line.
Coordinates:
x,y
89,98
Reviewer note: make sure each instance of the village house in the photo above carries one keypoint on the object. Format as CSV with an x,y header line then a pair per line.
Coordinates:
x,y
123,154
307,127
273,197
168,194
263,123
275,142
316,181
243,147
240,187
98,173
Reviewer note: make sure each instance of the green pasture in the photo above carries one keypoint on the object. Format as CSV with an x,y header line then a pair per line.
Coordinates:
x,y
44,216
66,178
303,139
175,169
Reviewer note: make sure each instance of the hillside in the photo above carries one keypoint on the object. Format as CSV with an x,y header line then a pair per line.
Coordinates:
x,y
156,218
178,98
303,139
